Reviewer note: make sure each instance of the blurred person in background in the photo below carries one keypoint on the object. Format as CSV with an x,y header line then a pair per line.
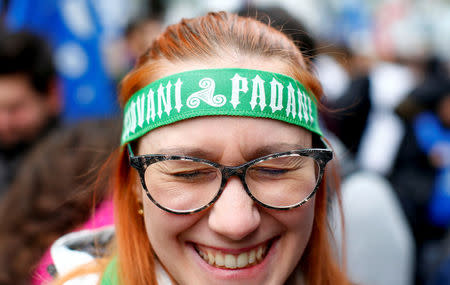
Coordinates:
x,y
420,171
432,130
57,190
132,43
30,104
135,42
79,33
85,37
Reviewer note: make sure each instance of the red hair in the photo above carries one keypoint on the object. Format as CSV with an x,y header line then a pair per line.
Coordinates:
x,y
214,36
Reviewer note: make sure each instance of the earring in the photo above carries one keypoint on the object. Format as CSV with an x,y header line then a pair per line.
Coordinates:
x,y
141,210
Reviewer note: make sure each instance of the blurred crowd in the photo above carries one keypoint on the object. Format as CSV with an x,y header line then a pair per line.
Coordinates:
x,y
385,70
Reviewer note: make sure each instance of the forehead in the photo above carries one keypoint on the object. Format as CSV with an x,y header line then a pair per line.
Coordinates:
x,y
15,89
241,137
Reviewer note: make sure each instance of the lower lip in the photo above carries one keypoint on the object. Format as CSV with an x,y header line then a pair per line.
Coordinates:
x,y
239,273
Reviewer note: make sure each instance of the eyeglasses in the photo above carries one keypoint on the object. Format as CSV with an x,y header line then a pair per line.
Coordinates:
x,y
184,185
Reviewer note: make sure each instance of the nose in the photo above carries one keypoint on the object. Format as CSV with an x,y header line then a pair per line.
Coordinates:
x,y
234,215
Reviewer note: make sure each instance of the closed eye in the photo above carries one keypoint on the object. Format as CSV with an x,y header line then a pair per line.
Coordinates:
x,y
188,174
271,171
195,174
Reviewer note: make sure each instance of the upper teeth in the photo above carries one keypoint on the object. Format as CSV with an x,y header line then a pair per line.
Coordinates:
x,y
232,261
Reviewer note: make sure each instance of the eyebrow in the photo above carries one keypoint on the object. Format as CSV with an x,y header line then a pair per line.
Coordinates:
x,y
273,148
188,151
211,155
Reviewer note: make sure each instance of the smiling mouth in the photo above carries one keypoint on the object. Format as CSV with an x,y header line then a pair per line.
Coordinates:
x,y
242,260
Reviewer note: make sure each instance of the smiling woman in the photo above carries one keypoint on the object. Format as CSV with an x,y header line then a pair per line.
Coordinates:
x,y
221,173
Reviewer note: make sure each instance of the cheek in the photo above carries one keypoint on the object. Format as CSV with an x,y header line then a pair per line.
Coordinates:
x,y
298,220
29,116
163,228
298,224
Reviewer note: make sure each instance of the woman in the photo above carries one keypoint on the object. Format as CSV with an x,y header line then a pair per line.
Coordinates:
x,y
221,128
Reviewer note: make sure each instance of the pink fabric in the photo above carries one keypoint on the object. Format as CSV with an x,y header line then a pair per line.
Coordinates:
x,y
103,216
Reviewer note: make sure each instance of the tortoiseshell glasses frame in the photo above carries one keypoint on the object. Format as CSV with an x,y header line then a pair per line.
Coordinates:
x,y
321,156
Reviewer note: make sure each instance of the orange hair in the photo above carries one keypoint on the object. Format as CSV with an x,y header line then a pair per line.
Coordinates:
x,y
214,36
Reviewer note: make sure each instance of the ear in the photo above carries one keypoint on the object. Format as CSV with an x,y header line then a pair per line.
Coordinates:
x,y
139,193
55,100
137,187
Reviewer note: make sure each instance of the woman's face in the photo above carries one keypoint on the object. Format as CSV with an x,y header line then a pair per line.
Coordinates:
x,y
235,224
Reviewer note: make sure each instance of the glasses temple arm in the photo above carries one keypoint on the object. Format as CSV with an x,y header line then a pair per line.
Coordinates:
x,y
325,144
130,150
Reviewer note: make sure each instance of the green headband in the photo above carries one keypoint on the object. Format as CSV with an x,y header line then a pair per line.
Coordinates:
x,y
213,92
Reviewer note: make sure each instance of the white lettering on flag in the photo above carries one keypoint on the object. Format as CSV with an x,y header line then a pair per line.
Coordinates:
x,y
258,92
178,103
150,106
290,108
276,95
164,99
140,104
311,119
302,106
236,89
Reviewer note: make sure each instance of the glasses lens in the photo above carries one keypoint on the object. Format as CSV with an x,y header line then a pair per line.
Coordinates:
x,y
182,185
283,181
